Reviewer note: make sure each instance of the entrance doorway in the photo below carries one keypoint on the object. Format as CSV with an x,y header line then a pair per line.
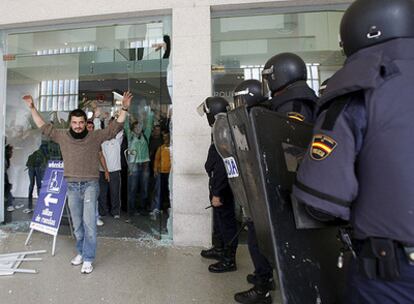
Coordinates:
x,y
90,68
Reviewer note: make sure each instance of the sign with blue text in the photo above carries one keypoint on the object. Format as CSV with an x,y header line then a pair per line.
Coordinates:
x,y
231,167
51,201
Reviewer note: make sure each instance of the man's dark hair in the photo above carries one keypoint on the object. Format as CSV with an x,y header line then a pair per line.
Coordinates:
x,y
77,113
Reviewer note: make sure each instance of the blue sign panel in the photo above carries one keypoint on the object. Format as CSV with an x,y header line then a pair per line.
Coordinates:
x,y
49,208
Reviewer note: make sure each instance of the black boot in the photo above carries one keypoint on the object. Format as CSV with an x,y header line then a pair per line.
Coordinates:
x,y
255,295
268,284
226,264
215,253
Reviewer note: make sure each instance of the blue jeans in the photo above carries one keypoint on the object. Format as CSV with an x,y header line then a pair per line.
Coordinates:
x,y
35,175
138,177
82,198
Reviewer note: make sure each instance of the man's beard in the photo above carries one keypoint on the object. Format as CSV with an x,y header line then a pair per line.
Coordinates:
x,y
80,135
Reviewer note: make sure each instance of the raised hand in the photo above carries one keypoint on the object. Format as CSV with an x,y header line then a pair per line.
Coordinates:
x,y
126,100
28,99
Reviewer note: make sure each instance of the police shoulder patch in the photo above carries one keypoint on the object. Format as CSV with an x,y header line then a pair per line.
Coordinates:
x,y
296,115
322,146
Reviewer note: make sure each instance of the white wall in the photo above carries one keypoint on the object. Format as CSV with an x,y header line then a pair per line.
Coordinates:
x,y
191,39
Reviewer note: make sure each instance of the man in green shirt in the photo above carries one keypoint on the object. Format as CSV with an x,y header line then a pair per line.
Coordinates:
x,y
138,162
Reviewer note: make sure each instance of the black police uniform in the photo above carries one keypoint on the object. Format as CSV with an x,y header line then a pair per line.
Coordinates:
x,y
297,100
359,168
224,216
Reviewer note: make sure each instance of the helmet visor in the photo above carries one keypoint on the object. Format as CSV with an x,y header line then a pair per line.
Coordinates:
x,y
266,75
202,108
240,98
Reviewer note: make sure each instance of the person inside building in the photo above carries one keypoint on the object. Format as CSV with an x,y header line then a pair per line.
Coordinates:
x,y
138,134
225,238
80,154
155,142
36,165
358,167
110,176
162,167
90,126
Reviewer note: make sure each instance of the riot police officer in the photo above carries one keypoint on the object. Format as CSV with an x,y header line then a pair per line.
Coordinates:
x,y
284,79
221,198
249,94
359,165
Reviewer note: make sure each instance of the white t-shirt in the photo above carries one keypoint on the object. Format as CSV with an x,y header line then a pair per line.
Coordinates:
x,y
111,150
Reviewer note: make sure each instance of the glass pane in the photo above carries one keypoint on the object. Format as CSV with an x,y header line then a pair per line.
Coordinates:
x,y
67,69
242,45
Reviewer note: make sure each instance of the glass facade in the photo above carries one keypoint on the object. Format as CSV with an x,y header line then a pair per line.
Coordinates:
x,y
82,68
242,45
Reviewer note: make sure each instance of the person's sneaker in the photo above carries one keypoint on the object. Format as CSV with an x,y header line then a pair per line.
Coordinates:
x,y
253,296
77,260
214,253
116,216
155,214
87,267
18,206
99,222
27,210
10,209
252,279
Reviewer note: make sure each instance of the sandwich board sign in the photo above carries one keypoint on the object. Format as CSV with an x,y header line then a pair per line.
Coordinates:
x,y
50,203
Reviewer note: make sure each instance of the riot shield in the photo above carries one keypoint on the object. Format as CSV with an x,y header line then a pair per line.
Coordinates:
x,y
223,141
270,146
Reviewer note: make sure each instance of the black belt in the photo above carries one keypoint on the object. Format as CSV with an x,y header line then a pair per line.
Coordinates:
x,y
377,257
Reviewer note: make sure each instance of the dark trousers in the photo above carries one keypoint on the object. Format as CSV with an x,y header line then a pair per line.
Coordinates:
x,y
124,189
110,189
360,289
35,176
225,223
262,268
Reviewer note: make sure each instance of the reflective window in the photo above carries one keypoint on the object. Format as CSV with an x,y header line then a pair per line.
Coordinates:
x,y
90,68
242,45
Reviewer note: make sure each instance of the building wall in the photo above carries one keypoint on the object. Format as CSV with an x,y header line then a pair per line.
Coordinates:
x,y
191,45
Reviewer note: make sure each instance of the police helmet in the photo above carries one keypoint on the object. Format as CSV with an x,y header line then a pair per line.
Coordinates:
x,y
249,93
211,107
282,70
369,22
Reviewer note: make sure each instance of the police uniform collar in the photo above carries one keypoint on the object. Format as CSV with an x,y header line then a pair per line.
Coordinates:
x,y
368,69
298,90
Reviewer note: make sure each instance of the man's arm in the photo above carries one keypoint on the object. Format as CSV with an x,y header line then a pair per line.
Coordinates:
x,y
117,125
38,119
102,160
47,129
126,102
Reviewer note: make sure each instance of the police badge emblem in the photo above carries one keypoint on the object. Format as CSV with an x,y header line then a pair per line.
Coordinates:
x,y
296,116
322,146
